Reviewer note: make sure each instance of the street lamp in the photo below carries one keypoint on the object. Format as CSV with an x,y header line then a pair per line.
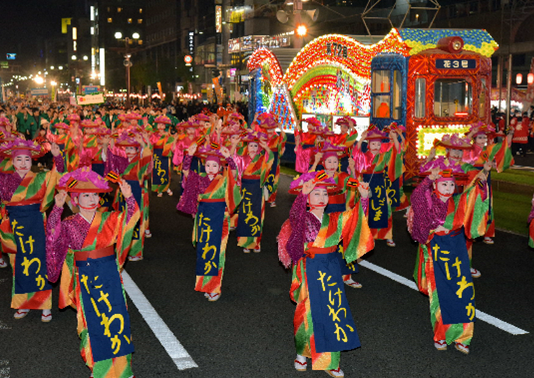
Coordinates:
x,y
74,57
127,63
38,80
136,36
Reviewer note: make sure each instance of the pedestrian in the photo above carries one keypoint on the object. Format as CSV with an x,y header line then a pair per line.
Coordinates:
x,y
440,224
89,249
312,246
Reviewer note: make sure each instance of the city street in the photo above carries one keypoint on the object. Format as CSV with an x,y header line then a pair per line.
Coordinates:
x,y
249,331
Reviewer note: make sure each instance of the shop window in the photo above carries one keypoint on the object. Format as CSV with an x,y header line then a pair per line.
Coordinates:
x,y
129,20
452,98
119,10
420,93
140,21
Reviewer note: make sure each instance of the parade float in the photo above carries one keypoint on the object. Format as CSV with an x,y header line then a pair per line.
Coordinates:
x,y
433,81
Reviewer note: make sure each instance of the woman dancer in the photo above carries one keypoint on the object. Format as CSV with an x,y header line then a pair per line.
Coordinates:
x,y
89,248
312,247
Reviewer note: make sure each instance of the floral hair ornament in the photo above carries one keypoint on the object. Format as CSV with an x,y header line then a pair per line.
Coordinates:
x,y
18,146
83,180
346,120
320,179
453,142
373,133
163,119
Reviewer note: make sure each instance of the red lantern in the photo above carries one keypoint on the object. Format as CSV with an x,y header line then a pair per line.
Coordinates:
x,y
530,78
518,78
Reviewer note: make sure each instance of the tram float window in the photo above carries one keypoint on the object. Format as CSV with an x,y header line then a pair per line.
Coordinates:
x,y
482,98
381,106
397,85
381,81
381,103
420,95
452,98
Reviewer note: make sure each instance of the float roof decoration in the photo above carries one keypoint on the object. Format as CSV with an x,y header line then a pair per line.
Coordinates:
x,y
475,40
262,57
342,51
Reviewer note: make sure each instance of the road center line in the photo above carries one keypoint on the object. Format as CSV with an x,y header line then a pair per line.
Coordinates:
x,y
172,346
480,315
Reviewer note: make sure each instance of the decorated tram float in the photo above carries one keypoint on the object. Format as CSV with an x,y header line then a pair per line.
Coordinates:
x,y
433,81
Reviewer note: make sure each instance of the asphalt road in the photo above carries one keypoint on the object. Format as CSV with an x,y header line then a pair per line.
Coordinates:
x,y
248,332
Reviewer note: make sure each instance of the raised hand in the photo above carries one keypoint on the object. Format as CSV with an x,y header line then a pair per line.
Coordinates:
x,y
308,186
126,189
60,198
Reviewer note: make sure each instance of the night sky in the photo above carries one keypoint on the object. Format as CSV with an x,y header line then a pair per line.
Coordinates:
x,y
25,24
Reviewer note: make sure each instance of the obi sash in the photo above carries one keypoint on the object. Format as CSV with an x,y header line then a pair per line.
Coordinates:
x,y
333,326
98,168
27,224
104,306
378,201
138,194
249,219
452,272
161,172
269,184
209,220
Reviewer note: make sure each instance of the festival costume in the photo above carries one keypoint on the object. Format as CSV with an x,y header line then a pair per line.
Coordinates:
x,y
89,257
135,172
162,152
442,268
277,145
312,246
377,170
212,202
22,233
251,211
498,152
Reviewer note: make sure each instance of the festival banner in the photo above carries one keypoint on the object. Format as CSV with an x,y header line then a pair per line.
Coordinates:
x,y
90,99
27,224
333,325
210,217
137,193
249,219
393,191
104,307
161,171
454,283
378,204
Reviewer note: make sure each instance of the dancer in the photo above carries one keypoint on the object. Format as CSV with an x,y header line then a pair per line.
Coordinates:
x,y
25,197
277,145
255,165
340,198
212,197
163,144
312,246
485,150
135,169
371,166
89,249
440,224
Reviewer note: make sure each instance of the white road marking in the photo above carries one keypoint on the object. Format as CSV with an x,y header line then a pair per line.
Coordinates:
x,y
174,349
507,327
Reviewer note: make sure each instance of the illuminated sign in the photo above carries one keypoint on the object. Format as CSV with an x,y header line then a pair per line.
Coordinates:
x,y
188,59
11,56
460,64
218,19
